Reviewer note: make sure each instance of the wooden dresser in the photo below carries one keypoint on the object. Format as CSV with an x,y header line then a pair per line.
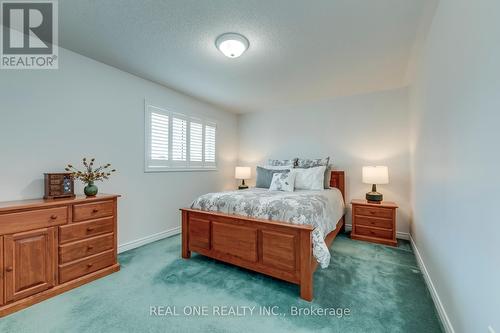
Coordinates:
x,y
374,222
50,246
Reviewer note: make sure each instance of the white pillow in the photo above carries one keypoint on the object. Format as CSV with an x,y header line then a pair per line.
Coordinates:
x,y
310,179
283,182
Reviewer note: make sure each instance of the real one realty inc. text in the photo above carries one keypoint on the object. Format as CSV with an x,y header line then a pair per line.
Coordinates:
x,y
243,311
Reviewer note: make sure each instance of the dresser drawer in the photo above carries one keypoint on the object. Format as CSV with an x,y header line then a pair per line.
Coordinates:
x,y
374,211
76,231
373,222
33,219
88,265
85,248
92,210
371,232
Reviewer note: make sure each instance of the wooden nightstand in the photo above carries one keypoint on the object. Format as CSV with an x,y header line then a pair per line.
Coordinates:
x,y
374,222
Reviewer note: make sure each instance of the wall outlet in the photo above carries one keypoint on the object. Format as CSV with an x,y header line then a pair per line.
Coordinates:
x,y
490,329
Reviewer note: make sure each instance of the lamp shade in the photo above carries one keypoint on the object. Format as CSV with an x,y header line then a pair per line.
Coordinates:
x,y
242,172
375,175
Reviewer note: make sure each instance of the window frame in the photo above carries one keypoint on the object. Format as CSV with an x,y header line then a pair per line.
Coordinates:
x,y
151,165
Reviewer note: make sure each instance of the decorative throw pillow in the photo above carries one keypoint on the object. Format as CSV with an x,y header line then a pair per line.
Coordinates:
x,y
310,178
265,175
311,163
290,163
283,182
277,167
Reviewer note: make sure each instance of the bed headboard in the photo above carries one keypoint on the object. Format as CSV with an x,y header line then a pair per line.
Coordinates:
x,y
337,180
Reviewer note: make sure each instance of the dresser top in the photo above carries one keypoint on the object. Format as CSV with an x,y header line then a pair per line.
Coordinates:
x,y
41,203
385,204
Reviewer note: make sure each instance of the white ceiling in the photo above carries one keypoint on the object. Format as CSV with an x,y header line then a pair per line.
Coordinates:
x,y
299,50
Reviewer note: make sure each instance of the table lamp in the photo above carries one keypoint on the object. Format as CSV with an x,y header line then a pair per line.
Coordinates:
x,y
242,173
375,175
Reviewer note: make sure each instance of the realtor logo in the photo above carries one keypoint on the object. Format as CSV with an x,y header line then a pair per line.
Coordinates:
x,y
29,35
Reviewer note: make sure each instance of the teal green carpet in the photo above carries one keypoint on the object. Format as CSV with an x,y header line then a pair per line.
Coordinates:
x,y
382,288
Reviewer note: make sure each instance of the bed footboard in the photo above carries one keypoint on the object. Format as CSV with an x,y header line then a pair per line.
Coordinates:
x,y
278,249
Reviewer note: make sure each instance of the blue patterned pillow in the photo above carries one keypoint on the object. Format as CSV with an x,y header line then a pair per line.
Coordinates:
x,y
290,163
311,163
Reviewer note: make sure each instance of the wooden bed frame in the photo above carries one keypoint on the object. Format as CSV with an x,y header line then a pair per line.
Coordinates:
x,y
279,249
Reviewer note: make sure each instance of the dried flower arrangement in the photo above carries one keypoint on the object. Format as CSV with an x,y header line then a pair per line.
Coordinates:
x,y
90,175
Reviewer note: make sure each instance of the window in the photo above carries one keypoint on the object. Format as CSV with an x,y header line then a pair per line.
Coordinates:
x,y
176,142
196,142
210,132
159,137
179,139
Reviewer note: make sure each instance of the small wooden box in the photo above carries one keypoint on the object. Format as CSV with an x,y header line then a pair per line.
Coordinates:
x,y
59,185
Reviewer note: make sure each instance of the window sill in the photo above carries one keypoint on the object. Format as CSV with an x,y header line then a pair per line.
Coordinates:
x,y
161,169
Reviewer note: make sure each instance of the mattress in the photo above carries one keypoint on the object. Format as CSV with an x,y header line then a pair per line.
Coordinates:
x,y
321,209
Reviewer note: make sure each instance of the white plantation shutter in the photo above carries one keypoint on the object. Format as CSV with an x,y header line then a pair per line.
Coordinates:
x,y
210,134
195,142
159,137
176,142
179,139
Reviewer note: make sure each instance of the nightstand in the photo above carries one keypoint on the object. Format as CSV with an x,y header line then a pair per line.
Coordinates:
x,y
374,222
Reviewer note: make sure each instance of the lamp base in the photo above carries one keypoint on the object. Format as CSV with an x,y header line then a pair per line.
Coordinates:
x,y
243,186
374,197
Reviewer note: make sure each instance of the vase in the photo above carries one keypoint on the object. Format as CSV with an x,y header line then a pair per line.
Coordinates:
x,y
90,190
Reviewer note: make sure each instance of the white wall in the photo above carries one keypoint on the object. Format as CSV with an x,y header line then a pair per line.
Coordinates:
x,y
371,129
455,161
49,118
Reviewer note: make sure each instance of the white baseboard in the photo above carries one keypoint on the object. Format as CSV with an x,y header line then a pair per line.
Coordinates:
x,y
399,234
148,239
448,327
402,235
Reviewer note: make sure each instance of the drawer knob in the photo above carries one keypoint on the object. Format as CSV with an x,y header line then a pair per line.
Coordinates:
x,y
53,217
95,210
89,265
90,247
372,212
89,229
9,269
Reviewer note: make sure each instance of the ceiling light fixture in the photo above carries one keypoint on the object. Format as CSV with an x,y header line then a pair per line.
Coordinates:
x,y
232,45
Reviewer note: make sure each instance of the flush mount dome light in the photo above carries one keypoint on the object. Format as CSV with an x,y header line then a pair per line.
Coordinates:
x,y
232,45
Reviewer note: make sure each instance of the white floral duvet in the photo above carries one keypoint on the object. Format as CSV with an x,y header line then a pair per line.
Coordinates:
x,y
321,209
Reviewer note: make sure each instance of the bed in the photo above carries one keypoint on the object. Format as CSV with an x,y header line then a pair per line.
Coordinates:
x,y
283,235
